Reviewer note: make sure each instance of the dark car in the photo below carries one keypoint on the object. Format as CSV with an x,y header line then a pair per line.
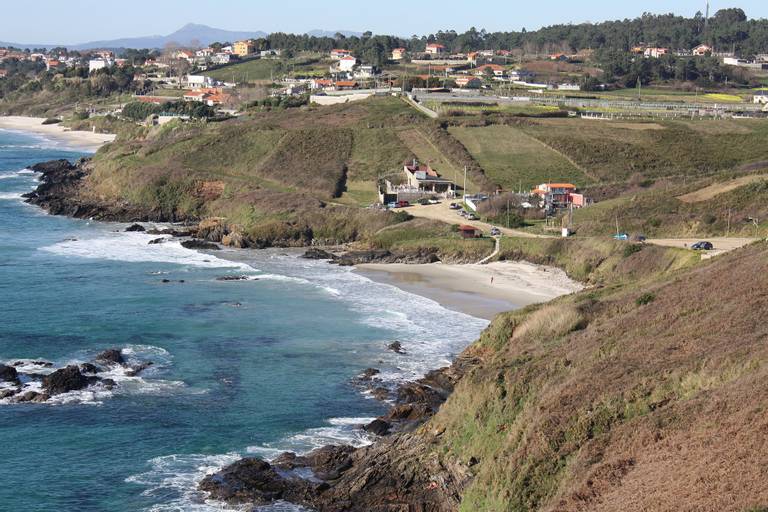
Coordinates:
x,y
702,246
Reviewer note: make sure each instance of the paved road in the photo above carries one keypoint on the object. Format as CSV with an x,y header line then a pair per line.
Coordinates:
x,y
443,213
721,244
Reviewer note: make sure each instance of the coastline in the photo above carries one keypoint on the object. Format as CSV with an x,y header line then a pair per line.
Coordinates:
x,y
468,288
87,141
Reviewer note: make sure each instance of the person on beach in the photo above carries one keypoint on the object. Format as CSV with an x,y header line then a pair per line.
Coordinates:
x,y
491,279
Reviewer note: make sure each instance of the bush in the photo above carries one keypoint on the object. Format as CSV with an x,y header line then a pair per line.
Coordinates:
x,y
403,216
631,249
645,298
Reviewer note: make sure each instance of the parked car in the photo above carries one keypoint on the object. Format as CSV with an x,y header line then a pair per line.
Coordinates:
x,y
702,246
424,201
392,205
454,206
462,213
621,236
403,204
434,201
472,216
638,238
495,231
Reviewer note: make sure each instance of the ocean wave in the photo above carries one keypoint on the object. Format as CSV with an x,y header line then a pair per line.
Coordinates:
x,y
134,247
338,431
10,195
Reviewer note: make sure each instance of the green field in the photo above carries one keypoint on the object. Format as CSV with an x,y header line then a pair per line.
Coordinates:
x,y
513,159
268,69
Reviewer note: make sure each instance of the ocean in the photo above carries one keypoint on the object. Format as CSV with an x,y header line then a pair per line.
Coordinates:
x,y
250,367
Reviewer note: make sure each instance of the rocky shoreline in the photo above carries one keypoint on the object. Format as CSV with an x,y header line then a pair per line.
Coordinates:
x,y
379,477
63,191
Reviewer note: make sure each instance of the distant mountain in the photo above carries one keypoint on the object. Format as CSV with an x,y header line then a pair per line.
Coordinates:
x,y
188,35
185,36
332,33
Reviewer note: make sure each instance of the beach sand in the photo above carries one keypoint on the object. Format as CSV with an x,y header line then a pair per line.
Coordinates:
x,y
81,140
468,288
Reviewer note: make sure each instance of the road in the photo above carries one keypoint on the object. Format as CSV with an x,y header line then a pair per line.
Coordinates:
x,y
721,244
443,213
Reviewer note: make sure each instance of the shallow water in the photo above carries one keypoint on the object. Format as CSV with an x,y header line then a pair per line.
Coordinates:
x,y
241,367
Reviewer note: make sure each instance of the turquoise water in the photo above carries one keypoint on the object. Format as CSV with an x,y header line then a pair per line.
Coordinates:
x,y
246,367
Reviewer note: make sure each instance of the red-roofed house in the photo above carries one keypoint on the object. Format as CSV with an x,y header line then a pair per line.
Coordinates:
x,y
559,195
495,68
347,63
467,231
398,54
655,52
468,82
345,84
435,49
425,179
702,50
338,54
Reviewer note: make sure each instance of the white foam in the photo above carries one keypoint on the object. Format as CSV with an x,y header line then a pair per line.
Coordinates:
x,y
10,195
431,335
135,247
145,384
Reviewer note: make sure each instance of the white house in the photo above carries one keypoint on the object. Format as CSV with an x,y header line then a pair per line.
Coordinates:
x,y
96,64
199,81
365,72
569,87
347,63
221,58
435,49
761,97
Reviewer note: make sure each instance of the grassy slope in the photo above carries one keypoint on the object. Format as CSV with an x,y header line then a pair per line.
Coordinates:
x,y
511,158
614,152
623,397
266,69
268,174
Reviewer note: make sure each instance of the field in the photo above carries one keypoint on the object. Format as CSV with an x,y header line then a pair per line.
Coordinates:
x,y
266,69
515,160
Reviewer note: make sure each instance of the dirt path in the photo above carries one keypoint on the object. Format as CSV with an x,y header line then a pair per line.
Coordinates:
x,y
443,213
707,193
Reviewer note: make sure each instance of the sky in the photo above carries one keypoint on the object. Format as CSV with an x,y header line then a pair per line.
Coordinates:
x,y
79,21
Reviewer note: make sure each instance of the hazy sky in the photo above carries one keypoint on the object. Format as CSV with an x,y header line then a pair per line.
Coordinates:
x,y
78,21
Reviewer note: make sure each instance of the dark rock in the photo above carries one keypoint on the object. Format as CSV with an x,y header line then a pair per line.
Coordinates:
x,y
156,241
359,257
369,373
396,347
32,396
166,281
380,393
314,253
44,364
65,380
200,244
378,427
111,356
254,481
109,383
167,231
89,368
6,393
135,370
135,228
232,278
8,374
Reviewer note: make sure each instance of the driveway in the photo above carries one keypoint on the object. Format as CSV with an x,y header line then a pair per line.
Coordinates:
x,y
443,213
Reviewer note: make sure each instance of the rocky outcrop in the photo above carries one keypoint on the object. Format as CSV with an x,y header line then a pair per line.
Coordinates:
x,y
200,245
418,256
9,374
315,253
377,478
66,380
63,380
135,228
63,191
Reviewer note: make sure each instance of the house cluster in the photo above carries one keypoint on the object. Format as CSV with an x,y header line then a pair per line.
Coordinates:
x,y
205,57
419,182
759,63
554,196
347,66
211,96
52,60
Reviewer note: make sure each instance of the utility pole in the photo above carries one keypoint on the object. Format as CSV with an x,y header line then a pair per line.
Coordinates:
x,y
465,181
728,228
508,213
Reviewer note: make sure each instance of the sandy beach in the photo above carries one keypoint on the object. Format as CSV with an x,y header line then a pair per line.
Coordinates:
x,y
468,288
81,140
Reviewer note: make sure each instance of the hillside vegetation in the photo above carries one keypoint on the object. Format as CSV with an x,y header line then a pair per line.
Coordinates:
x,y
281,176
